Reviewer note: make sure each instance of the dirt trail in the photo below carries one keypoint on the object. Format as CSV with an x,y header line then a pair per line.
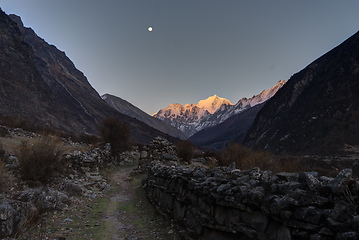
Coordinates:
x,y
122,213
128,212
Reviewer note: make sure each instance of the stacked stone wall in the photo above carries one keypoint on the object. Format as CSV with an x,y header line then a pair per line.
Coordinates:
x,y
226,203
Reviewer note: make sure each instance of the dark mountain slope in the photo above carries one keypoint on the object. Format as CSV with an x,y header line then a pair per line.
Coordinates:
x,y
40,84
23,93
317,111
130,110
234,129
68,85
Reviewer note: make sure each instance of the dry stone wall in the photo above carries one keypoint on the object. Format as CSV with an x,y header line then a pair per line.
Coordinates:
x,y
226,203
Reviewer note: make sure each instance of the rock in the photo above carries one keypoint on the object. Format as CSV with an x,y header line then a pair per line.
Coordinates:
x,y
257,195
310,179
347,236
232,166
68,220
4,132
94,176
337,226
259,221
7,219
283,176
284,233
340,180
144,154
309,214
73,189
170,157
47,200
343,211
308,198
326,232
11,220
223,187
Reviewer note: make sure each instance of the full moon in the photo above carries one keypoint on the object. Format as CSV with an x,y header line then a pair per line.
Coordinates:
x,y
150,29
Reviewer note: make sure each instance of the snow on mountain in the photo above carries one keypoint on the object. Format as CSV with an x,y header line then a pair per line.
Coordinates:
x,y
243,104
186,117
213,103
191,118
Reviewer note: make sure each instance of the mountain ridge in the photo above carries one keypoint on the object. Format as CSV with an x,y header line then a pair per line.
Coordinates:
x,y
316,112
192,118
243,104
185,117
129,109
233,129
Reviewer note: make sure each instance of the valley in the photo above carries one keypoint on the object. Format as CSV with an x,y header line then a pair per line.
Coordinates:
x,y
283,164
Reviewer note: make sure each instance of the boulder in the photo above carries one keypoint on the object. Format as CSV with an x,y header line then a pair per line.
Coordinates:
x,y
7,219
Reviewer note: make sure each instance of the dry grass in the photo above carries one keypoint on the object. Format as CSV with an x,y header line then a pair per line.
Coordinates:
x,y
246,158
40,159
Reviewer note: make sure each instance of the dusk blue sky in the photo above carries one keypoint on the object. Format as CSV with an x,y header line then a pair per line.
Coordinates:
x,y
197,48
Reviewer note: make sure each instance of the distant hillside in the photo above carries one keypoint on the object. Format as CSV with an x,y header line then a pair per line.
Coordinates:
x,y
234,129
317,111
130,110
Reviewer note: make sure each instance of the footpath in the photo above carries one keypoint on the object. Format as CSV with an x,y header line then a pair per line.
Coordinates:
x,y
123,212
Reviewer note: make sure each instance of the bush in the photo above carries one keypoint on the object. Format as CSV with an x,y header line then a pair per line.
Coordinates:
x,y
40,159
246,158
2,153
117,134
185,150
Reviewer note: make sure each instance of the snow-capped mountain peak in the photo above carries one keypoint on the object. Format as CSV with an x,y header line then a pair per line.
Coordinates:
x,y
213,103
184,116
191,118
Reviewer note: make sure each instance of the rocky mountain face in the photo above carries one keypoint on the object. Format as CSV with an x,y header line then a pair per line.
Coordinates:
x,y
192,118
188,117
317,111
40,84
130,110
227,111
23,93
233,129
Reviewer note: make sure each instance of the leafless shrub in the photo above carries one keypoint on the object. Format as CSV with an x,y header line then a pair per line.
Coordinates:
x,y
39,159
185,150
246,158
117,134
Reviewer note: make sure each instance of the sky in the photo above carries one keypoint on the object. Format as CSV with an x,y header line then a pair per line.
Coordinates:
x,y
198,48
